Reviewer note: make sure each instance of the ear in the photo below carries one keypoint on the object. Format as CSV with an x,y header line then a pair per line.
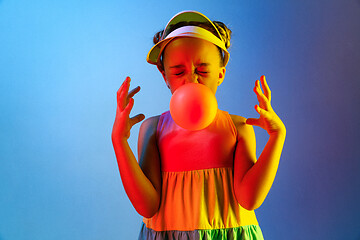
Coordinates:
x,y
162,71
222,71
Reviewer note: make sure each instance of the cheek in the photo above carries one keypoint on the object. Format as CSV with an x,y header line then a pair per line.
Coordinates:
x,y
174,83
212,82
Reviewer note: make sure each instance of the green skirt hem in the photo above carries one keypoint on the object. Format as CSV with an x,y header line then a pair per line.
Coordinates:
x,y
249,232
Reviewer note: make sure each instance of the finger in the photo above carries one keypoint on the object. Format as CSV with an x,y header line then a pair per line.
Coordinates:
x,y
136,119
257,86
133,92
122,93
126,81
263,100
121,97
129,106
125,93
253,121
258,109
261,111
266,88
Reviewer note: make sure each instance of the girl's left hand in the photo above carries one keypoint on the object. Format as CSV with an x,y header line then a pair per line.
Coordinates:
x,y
268,119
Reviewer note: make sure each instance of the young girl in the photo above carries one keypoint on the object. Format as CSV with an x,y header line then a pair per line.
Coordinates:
x,y
202,184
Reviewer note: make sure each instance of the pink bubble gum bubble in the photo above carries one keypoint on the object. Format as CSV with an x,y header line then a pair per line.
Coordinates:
x,y
193,106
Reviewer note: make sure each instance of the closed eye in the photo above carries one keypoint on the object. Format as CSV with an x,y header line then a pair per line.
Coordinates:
x,y
202,72
178,74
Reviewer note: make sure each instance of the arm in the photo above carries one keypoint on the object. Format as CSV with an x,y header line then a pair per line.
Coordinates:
x,y
253,179
142,192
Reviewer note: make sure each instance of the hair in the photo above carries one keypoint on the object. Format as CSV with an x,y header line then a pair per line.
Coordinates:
x,y
224,31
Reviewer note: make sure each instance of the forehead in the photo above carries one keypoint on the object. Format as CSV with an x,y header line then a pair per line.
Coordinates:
x,y
189,48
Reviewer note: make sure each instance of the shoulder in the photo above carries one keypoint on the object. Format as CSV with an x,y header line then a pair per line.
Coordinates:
x,y
147,139
149,125
246,142
151,121
243,130
238,120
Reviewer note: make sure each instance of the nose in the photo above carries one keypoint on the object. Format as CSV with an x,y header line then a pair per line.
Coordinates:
x,y
192,78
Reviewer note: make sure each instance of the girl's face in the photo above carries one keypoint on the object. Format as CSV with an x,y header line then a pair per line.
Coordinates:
x,y
188,60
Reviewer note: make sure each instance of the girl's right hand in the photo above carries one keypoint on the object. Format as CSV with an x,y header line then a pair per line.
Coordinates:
x,y
125,102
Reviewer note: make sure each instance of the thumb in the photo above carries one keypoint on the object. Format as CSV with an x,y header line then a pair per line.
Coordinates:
x,y
253,121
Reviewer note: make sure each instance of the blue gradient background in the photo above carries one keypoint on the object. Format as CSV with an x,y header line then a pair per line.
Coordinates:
x,y
61,63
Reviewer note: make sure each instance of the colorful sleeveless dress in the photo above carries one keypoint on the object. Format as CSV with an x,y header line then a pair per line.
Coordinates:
x,y
197,198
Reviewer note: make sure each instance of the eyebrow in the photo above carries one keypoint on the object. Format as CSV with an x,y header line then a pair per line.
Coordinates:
x,y
198,65
177,66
